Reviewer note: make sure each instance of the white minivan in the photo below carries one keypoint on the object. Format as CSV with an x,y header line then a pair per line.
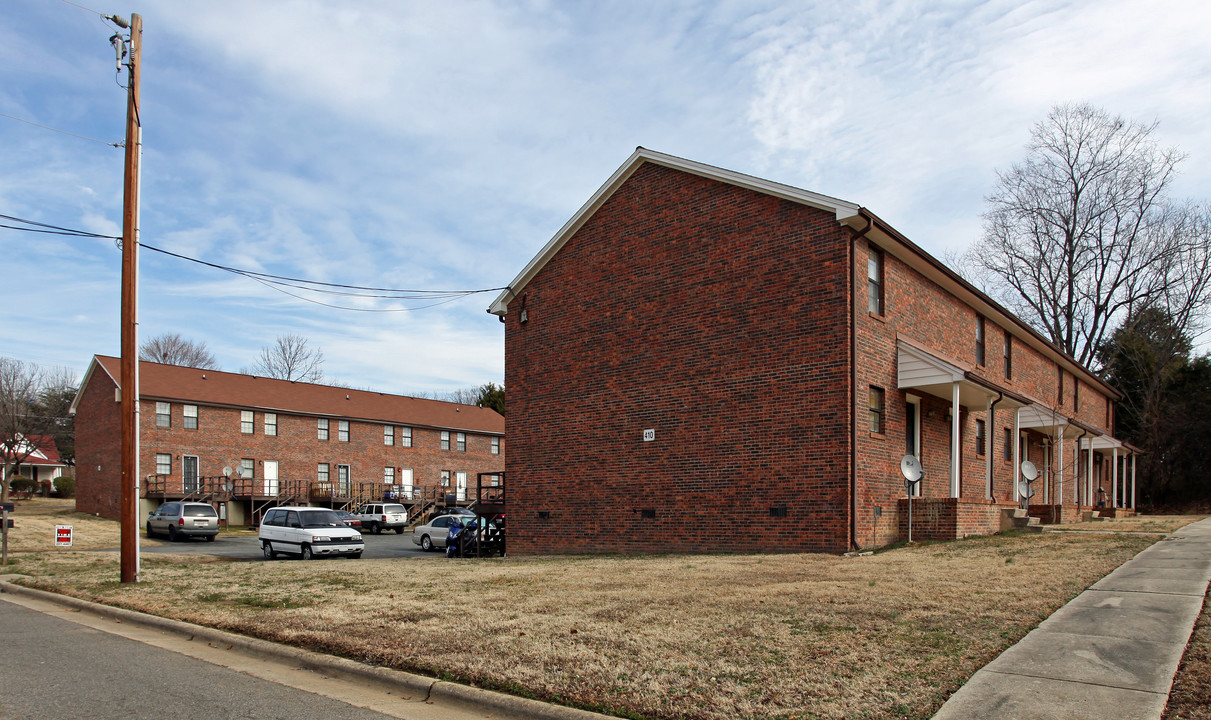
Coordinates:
x,y
308,532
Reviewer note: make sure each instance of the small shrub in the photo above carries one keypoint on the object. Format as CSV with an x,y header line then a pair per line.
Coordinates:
x,y
65,487
21,484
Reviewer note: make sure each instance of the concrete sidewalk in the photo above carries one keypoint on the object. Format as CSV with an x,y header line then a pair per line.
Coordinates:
x,y
1110,653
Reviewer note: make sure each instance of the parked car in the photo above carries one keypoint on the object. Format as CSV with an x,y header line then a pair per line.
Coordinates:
x,y
377,517
308,532
184,519
349,519
434,533
459,511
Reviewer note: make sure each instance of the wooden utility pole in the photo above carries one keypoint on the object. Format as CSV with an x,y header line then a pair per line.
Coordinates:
x,y
130,325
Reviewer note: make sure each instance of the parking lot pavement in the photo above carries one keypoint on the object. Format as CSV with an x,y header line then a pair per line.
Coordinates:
x,y
247,547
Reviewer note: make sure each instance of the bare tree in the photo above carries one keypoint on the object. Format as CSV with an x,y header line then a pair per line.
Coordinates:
x,y
172,349
22,421
291,358
1082,234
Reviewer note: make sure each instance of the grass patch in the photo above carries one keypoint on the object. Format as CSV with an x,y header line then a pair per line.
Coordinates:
x,y
888,635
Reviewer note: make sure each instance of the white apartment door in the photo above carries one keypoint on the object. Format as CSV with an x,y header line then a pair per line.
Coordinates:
x,y
270,480
406,484
460,480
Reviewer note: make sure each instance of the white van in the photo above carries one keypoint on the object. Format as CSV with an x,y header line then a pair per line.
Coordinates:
x,y
308,532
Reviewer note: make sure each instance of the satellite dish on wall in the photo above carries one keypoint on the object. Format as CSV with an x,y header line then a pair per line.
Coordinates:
x,y
1029,471
226,469
1025,490
910,466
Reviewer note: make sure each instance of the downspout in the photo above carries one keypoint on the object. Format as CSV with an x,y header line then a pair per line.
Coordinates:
x,y
990,434
853,380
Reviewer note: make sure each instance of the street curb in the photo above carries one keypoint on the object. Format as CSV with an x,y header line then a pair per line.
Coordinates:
x,y
425,688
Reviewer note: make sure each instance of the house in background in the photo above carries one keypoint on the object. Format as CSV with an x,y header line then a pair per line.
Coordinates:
x,y
41,462
705,360
247,443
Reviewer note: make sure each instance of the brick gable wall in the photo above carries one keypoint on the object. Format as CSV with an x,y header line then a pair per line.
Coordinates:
x,y
714,316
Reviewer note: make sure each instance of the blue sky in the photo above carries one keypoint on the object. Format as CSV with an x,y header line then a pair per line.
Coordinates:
x,y
439,145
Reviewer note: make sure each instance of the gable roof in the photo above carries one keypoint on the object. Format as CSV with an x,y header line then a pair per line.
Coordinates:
x,y
174,383
43,450
856,217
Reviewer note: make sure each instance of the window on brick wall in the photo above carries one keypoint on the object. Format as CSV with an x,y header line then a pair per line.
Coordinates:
x,y
405,437
1076,393
247,421
1059,384
388,476
874,281
247,468
1008,444
321,472
389,435
981,438
271,424
445,478
191,417
342,430
1008,355
445,439
461,439
321,428
163,464
495,446
980,341
163,414
876,409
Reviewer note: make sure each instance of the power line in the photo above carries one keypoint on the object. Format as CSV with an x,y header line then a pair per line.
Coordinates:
x,y
75,135
281,282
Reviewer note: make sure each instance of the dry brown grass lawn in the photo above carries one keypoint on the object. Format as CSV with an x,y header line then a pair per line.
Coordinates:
x,y
1139,523
719,636
1190,698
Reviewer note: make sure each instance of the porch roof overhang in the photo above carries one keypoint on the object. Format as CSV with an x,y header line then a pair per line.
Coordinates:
x,y
918,369
1044,419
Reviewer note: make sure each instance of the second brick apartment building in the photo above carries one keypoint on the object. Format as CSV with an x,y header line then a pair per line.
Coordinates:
x,y
283,442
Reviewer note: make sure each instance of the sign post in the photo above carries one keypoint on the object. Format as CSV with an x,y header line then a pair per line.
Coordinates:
x,y
5,509
63,536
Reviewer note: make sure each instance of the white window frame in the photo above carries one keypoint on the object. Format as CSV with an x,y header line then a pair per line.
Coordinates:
x,y
163,414
163,463
271,424
190,413
461,440
388,475
247,422
389,435
247,468
445,439
495,445
405,437
321,428
342,431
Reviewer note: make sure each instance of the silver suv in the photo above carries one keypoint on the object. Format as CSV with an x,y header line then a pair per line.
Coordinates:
x,y
184,519
377,517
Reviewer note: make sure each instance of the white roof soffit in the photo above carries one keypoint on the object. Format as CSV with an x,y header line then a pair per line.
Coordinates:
x,y
920,370
843,210
1105,442
1043,418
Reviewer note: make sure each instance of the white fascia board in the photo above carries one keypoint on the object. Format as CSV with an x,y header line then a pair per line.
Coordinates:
x,y
844,211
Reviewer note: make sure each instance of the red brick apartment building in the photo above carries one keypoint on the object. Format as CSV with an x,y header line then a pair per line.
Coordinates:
x,y
705,360
284,442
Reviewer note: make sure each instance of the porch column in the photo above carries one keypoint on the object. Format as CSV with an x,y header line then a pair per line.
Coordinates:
x,y
989,434
954,439
1089,474
1132,481
1059,466
1017,454
1114,481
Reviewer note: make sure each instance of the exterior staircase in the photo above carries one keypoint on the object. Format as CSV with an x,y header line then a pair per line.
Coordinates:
x,y
1018,519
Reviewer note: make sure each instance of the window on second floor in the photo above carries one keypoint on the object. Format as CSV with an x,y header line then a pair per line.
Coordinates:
x,y
388,434
271,424
163,414
462,442
445,439
495,446
342,430
980,338
247,420
322,428
191,417
874,281
405,437
1008,355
